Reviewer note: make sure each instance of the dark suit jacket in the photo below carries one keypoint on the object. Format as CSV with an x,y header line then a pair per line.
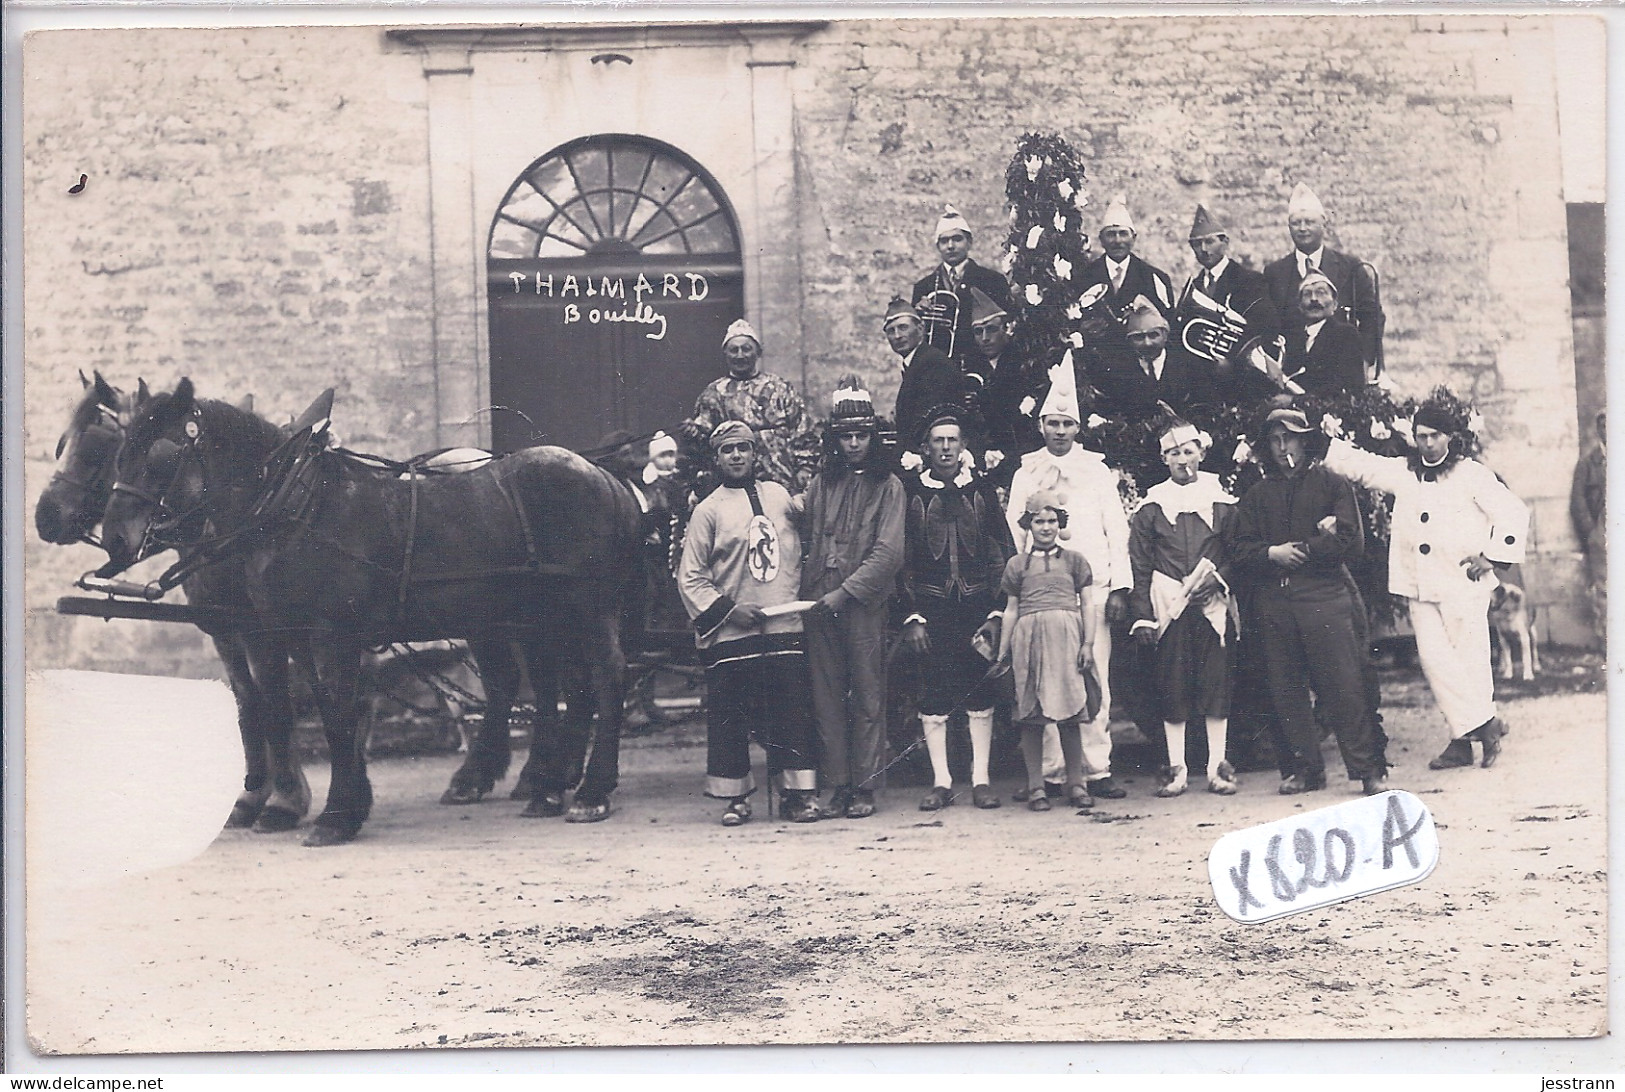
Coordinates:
x,y
1005,428
1357,298
1126,390
1141,279
1241,290
976,276
929,381
1334,364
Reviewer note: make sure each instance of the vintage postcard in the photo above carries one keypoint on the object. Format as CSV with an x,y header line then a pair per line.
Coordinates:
x,y
811,530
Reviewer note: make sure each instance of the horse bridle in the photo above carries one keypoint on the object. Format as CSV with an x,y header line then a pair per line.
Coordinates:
x,y
107,423
164,519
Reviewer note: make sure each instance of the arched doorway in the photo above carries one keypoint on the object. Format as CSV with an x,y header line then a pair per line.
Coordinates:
x,y
613,270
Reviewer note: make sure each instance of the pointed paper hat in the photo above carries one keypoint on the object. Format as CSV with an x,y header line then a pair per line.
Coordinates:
x,y
898,306
1062,399
1206,224
950,222
1117,214
741,328
1304,203
983,308
1142,314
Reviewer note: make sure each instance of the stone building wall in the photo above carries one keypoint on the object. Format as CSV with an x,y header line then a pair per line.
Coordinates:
x,y
258,215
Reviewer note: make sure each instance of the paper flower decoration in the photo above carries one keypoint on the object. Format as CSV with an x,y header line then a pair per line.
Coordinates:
x,y
1059,221
1028,404
1330,425
1475,423
1007,262
1035,233
1243,452
1065,188
911,460
993,458
1076,339
1034,165
1063,268
1034,296
1380,429
1075,311
1402,425
1080,201
1095,420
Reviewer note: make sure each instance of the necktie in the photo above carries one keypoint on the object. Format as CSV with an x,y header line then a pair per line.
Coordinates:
x,y
953,281
1309,267
1117,280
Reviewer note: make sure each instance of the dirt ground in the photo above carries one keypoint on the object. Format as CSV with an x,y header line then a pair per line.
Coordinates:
x,y
458,927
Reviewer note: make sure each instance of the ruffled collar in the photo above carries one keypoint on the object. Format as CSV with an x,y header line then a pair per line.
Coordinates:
x,y
1199,496
1078,456
967,461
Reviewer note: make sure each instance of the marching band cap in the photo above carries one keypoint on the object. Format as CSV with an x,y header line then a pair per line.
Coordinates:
x,y
660,443
1317,277
1206,224
851,406
1143,315
1304,203
1292,420
1062,399
897,308
983,309
741,328
1117,214
730,431
951,221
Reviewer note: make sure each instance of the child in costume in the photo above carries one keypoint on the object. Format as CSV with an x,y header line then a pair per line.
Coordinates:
x,y
1049,638
1181,600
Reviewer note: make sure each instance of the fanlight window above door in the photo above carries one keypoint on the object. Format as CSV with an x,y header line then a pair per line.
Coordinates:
x,y
619,195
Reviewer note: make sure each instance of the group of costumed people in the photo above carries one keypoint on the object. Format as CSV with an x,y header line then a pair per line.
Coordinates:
x,y
1033,507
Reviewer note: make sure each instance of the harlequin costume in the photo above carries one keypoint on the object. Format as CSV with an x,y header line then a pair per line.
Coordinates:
x,y
1444,514
1175,533
956,547
742,547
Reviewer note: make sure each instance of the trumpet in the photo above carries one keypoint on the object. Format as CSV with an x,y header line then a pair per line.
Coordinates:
x,y
1214,330
939,313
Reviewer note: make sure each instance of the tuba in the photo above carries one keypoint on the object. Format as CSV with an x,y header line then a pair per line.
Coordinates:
x,y
1214,330
939,313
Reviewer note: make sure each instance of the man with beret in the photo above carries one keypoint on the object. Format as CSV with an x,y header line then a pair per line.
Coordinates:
x,y
1292,537
1454,525
765,402
943,297
1162,378
929,377
1008,380
1126,275
1239,291
1323,353
853,527
1354,281
742,556
957,543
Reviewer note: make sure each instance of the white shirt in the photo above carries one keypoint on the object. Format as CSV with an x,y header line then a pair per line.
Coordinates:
x,y
1311,332
1116,271
1216,272
1304,260
1154,368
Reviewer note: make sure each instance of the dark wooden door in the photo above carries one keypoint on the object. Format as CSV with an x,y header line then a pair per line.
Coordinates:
x,y
613,273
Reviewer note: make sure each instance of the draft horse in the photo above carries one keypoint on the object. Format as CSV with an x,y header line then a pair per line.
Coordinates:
x,y
539,545
275,796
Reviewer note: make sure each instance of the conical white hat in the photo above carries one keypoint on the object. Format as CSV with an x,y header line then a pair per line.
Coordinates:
x,y
1062,399
951,221
1117,214
1304,203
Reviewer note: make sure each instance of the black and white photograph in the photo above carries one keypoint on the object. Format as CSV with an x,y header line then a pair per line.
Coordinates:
x,y
600,528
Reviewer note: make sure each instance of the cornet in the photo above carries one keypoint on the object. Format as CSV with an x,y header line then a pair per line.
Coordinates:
x,y
1214,331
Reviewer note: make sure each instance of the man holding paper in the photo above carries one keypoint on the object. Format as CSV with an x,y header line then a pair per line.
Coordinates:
x,y
738,578
1181,601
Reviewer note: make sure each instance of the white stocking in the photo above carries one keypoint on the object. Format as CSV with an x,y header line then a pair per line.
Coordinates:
x,y
981,744
1175,734
1217,729
935,730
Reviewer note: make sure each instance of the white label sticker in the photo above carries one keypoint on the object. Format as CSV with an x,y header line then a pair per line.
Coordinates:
x,y
1308,861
